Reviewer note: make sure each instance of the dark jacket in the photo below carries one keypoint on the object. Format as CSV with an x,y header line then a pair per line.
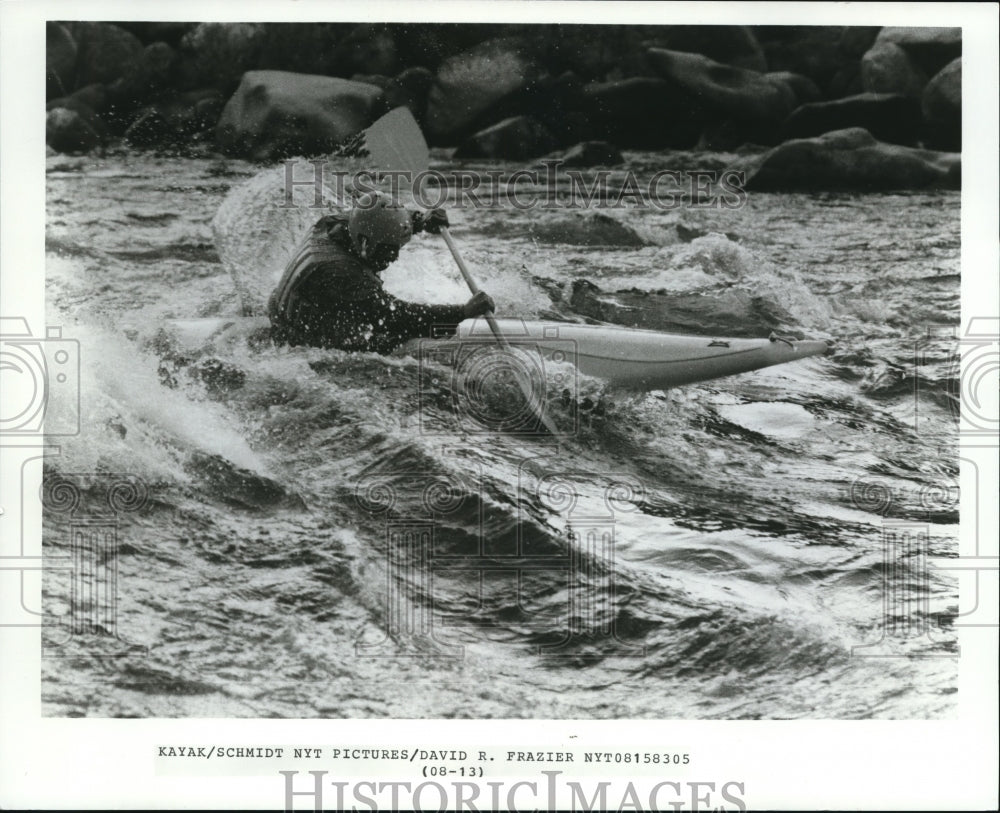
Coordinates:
x,y
330,297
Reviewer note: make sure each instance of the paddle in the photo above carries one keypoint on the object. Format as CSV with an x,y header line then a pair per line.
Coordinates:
x,y
522,381
395,143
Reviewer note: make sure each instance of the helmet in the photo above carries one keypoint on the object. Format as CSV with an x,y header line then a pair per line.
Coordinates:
x,y
378,218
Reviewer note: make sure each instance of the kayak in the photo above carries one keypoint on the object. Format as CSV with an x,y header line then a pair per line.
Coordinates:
x,y
632,358
624,357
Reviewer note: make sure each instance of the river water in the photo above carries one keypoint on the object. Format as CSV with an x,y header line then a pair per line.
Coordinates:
x,y
322,534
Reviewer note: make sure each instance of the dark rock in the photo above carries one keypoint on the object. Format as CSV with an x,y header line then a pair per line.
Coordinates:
x,y
729,313
516,138
929,48
954,179
888,117
151,128
301,47
942,108
802,87
88,101
855,39
598,53
369,48
853,43
886,68
848,160
274,114
410,89
158,63
170,33
68,131
591,154
218,54
105,52
734,45
431,44
176,121
722,90
642,113
846,81
60,61
470,83
376,79
586,229
205,112
823,53
558,102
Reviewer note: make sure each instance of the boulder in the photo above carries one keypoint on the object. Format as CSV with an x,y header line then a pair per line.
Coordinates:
x,y
734,45
517,138
853,43
218,54
803,88
591,154
849,160
151,128
376,79
106,52
599,53
468,84
170,33
942,108
727,313
430,44
856,39
68,131
887,68
641,113
887,116
558,102
828,55
586,229
92,99
60,61
177,121
723,91
410,88
301,47
158,63
929,48
369,48
274,114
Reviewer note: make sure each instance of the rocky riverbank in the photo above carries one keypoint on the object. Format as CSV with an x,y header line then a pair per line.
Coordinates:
x,y
857,108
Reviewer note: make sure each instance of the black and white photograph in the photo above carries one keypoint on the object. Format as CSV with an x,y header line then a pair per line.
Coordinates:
x,y
541,362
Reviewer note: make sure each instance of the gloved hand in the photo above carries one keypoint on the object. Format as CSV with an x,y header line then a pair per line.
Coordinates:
x,y
431,221
479,304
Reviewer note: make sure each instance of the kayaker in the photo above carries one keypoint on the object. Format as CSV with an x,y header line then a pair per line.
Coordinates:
x,y
331,294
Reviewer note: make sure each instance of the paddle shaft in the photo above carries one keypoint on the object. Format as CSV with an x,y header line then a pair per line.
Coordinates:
x,y
501,339
471,282
396,142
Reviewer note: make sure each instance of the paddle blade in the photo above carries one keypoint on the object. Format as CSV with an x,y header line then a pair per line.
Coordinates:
x,y
395,143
